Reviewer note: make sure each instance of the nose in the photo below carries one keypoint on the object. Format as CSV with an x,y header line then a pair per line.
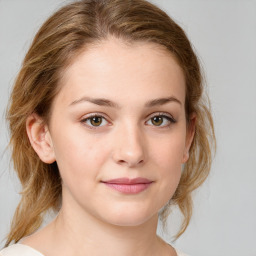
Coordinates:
x,y
129,147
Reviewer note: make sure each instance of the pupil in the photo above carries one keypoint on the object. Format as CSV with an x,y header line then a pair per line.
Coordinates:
x,y
157,120
96,121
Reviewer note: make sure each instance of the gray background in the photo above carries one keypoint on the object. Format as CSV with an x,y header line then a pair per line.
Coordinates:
x,y
224,35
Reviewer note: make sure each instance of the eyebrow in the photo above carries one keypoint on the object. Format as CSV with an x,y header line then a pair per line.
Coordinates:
x,y
108,103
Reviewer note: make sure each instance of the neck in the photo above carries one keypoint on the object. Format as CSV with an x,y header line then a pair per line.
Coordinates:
x,y
93,237
78,232
75,232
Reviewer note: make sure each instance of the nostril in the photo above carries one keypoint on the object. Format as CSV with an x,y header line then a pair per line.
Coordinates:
x,y
141,161
130,153
130,163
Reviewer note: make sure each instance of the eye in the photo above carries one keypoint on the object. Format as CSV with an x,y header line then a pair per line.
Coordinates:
x,y
97,120
161,120
94,121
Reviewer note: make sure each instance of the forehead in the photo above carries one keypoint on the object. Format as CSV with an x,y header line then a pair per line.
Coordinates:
x,y
114,67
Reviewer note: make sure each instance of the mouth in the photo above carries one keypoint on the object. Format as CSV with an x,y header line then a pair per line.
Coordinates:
x,y
128,186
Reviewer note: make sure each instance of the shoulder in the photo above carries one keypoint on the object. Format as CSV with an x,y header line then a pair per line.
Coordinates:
x,y
19,250
179,253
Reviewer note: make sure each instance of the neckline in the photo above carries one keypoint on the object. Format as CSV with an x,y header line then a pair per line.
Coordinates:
x,y
27,247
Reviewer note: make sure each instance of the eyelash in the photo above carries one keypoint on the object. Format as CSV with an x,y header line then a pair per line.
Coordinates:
x,y
169,118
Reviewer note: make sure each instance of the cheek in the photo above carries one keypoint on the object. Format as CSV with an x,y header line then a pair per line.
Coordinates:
x,y
168,152
167,157
77,155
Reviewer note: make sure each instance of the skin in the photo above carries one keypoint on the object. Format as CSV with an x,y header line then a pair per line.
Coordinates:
x,y
128,142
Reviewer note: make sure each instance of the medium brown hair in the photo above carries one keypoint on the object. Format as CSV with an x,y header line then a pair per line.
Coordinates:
x,y
60,39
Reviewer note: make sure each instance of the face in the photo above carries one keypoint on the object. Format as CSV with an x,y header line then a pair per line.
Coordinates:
x,y
118,131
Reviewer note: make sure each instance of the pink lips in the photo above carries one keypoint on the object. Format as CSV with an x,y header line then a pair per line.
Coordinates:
x,y
128,186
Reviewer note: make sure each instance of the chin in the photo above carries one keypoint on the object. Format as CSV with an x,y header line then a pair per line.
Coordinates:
x,y
129,217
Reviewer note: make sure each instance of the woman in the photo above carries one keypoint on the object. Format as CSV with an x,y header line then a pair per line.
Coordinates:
x,y
108,128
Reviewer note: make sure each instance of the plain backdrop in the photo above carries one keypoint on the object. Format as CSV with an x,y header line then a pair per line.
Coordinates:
x,y
224,36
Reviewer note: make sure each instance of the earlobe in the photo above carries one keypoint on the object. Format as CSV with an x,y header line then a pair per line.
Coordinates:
x,y
40,138
189,136
185,157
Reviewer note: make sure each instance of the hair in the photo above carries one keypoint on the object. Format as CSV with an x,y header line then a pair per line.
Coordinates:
x,y
60,39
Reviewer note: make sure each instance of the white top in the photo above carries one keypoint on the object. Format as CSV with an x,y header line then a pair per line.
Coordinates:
x,y
24,250
19,250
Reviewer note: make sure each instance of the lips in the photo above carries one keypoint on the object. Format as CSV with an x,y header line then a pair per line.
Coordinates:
x,y
128,186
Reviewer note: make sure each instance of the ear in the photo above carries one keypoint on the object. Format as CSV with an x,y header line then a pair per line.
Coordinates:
x,y
189,136
40,138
